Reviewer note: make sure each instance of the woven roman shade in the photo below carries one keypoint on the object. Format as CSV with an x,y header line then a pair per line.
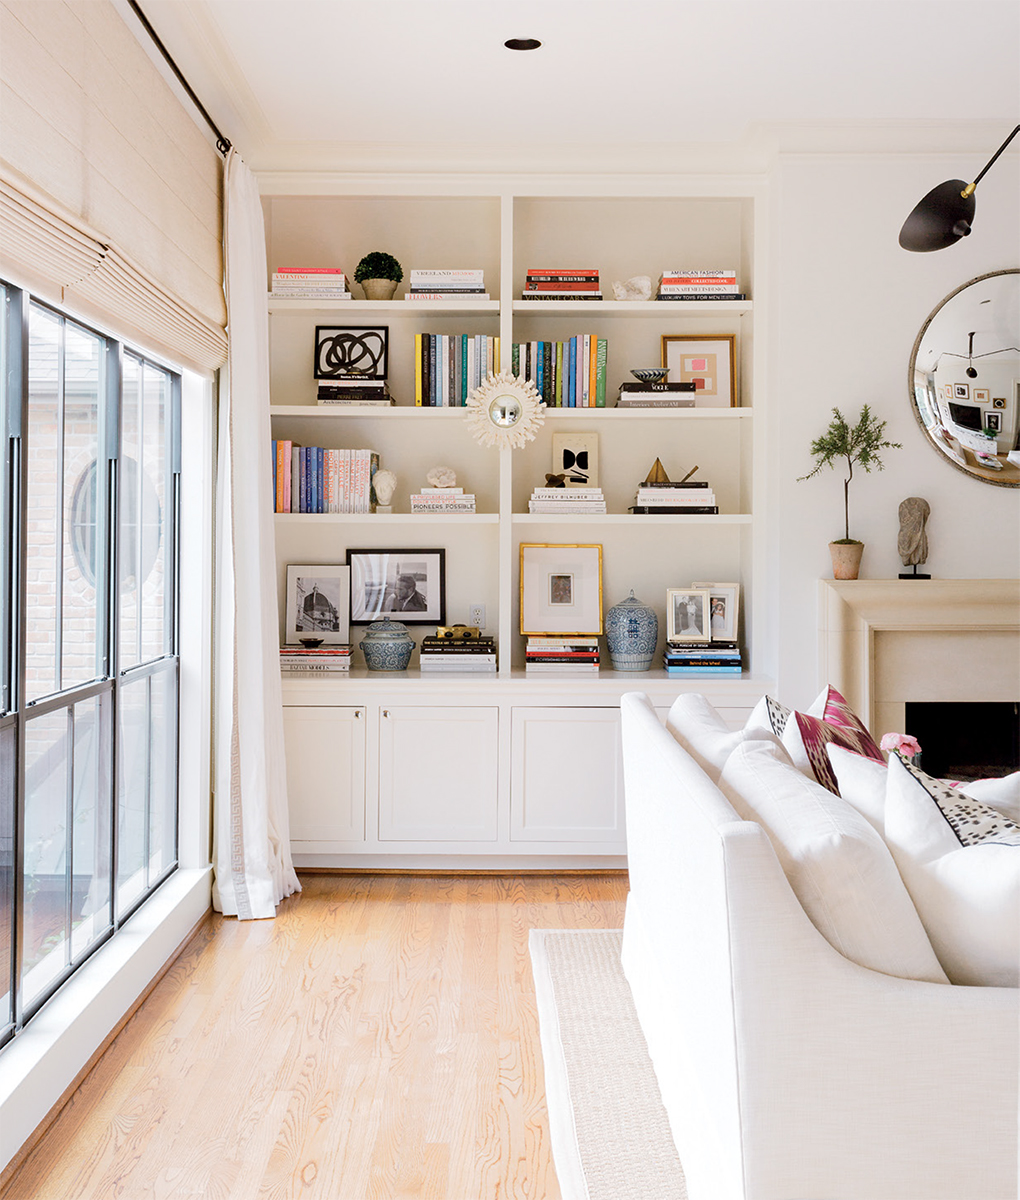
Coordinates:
x,y
110,194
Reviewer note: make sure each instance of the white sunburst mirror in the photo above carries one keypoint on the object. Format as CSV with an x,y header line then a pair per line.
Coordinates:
x,y
504,411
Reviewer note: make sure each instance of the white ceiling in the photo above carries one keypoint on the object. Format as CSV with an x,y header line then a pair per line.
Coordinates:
x,y
365,84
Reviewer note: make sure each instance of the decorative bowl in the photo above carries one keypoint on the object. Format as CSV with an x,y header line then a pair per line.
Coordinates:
x,y
650,374
387,646
310,642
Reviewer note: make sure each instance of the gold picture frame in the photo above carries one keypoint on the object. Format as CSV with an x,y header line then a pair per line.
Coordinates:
x,y
560,589
709,361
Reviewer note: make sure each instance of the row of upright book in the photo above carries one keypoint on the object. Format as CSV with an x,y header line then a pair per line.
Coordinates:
x,y
699,286
566,655
712,658
314,479
569,374
449,366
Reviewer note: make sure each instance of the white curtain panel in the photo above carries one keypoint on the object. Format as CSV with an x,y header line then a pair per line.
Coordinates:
x,y
251,836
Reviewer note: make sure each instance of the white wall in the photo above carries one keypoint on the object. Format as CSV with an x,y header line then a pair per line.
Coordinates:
x,y
846,304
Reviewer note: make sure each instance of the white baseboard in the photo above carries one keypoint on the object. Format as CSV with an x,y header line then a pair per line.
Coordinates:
x,y
42,1062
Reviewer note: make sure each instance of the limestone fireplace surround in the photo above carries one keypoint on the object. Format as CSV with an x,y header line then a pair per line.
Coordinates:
x,y
886,642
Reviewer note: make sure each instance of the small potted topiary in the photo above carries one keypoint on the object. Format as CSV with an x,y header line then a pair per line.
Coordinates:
x,y
378,273
858,443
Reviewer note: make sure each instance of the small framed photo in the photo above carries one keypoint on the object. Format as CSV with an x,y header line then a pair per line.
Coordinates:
x,y
561,589
993,420
688,614
318,602
981,395
576,455
408,585
352,352
723,610
948,390
999,402
709,362
961,391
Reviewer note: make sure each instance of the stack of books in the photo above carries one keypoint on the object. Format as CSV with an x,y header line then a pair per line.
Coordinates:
x,y
454,284
566,500
699,285
435,500
570,374
449,366
324,659
675,499
442,654
702,658
656,395
562,283
311,283
363,393
566,655
312,479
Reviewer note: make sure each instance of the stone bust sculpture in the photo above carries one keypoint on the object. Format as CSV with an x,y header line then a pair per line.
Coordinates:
x,y
912,543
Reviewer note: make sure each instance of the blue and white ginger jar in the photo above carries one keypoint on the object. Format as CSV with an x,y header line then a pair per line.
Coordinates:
x,y
632,630
387,646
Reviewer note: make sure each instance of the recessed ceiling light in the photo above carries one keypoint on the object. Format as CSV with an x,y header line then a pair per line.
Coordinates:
x,y
522,44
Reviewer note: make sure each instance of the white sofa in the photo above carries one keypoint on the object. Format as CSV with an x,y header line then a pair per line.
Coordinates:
x,y
788,1071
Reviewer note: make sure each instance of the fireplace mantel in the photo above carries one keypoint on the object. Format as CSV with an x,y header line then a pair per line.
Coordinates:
x,y
884,642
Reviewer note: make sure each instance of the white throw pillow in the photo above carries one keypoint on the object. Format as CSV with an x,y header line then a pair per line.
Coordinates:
x,y
838,866
706,737
862,783
1002,794
960,860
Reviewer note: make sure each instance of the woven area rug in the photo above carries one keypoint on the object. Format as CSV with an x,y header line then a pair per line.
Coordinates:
x,y
610,1134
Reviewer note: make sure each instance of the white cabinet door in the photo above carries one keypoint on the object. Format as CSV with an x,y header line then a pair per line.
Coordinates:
x,y
438,774
325,773
566,776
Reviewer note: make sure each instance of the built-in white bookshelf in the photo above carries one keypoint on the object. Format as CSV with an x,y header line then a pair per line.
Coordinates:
x,y
591,223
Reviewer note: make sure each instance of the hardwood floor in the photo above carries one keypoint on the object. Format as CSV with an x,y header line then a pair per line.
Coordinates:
x,y
378,1040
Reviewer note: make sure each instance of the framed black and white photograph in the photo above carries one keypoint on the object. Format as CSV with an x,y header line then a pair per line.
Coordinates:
x,y
352,352
318,604
993,420
561,589
724,610
961,391
688,613
407,585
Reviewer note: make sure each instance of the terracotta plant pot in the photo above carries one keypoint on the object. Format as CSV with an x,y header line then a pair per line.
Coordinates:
x,y
379,289
846,559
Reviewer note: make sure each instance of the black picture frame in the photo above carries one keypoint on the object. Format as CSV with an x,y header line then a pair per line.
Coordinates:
x,y
352,352
379,585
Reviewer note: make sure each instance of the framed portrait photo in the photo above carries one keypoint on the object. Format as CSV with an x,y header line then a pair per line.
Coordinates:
x,y
561,589
724,610
352,352
708,361
407,585
688,614
318,604
961,391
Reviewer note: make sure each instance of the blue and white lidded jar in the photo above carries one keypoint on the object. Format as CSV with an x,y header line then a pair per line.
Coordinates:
x,y
387,646
632,630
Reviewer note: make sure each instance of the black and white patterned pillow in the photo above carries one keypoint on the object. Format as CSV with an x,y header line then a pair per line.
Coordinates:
x,y
974,823
778,715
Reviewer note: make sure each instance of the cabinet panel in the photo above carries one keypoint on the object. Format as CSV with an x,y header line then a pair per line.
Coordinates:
x,y
438,774
566,775
325,773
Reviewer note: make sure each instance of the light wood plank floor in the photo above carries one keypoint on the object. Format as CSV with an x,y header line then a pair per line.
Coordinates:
x,y
378,1040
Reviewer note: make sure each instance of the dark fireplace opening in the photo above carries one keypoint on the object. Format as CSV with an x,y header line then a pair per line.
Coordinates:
x,y
966,741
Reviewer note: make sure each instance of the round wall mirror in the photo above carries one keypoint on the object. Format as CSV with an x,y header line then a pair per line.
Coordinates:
x,y
965,378
505,411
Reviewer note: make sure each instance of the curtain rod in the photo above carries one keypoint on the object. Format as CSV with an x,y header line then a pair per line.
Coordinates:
x,y
222,143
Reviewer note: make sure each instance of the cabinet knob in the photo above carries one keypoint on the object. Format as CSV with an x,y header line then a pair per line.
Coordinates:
x,y
357,713
385,712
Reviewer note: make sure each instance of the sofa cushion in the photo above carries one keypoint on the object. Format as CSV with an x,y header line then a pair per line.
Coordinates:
x,y
706,737
806,735
861,781
838,866
960,860
1002,794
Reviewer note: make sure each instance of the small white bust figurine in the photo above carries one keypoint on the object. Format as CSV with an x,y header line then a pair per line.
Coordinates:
x,y
441,477
385,483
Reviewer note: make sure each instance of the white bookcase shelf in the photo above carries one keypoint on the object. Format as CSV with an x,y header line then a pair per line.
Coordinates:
x,y
526,729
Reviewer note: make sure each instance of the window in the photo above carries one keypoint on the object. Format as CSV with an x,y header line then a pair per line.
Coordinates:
x,y
89,669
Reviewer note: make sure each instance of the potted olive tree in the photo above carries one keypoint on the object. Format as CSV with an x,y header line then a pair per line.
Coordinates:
x,y
378,273
852,444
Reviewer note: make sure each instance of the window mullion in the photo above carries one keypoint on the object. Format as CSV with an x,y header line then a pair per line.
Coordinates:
x,y
58,515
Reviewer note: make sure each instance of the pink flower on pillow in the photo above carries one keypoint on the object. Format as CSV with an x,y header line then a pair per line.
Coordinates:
x,y
902,742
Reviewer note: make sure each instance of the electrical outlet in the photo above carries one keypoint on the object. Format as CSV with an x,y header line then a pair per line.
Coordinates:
x,y
476,615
